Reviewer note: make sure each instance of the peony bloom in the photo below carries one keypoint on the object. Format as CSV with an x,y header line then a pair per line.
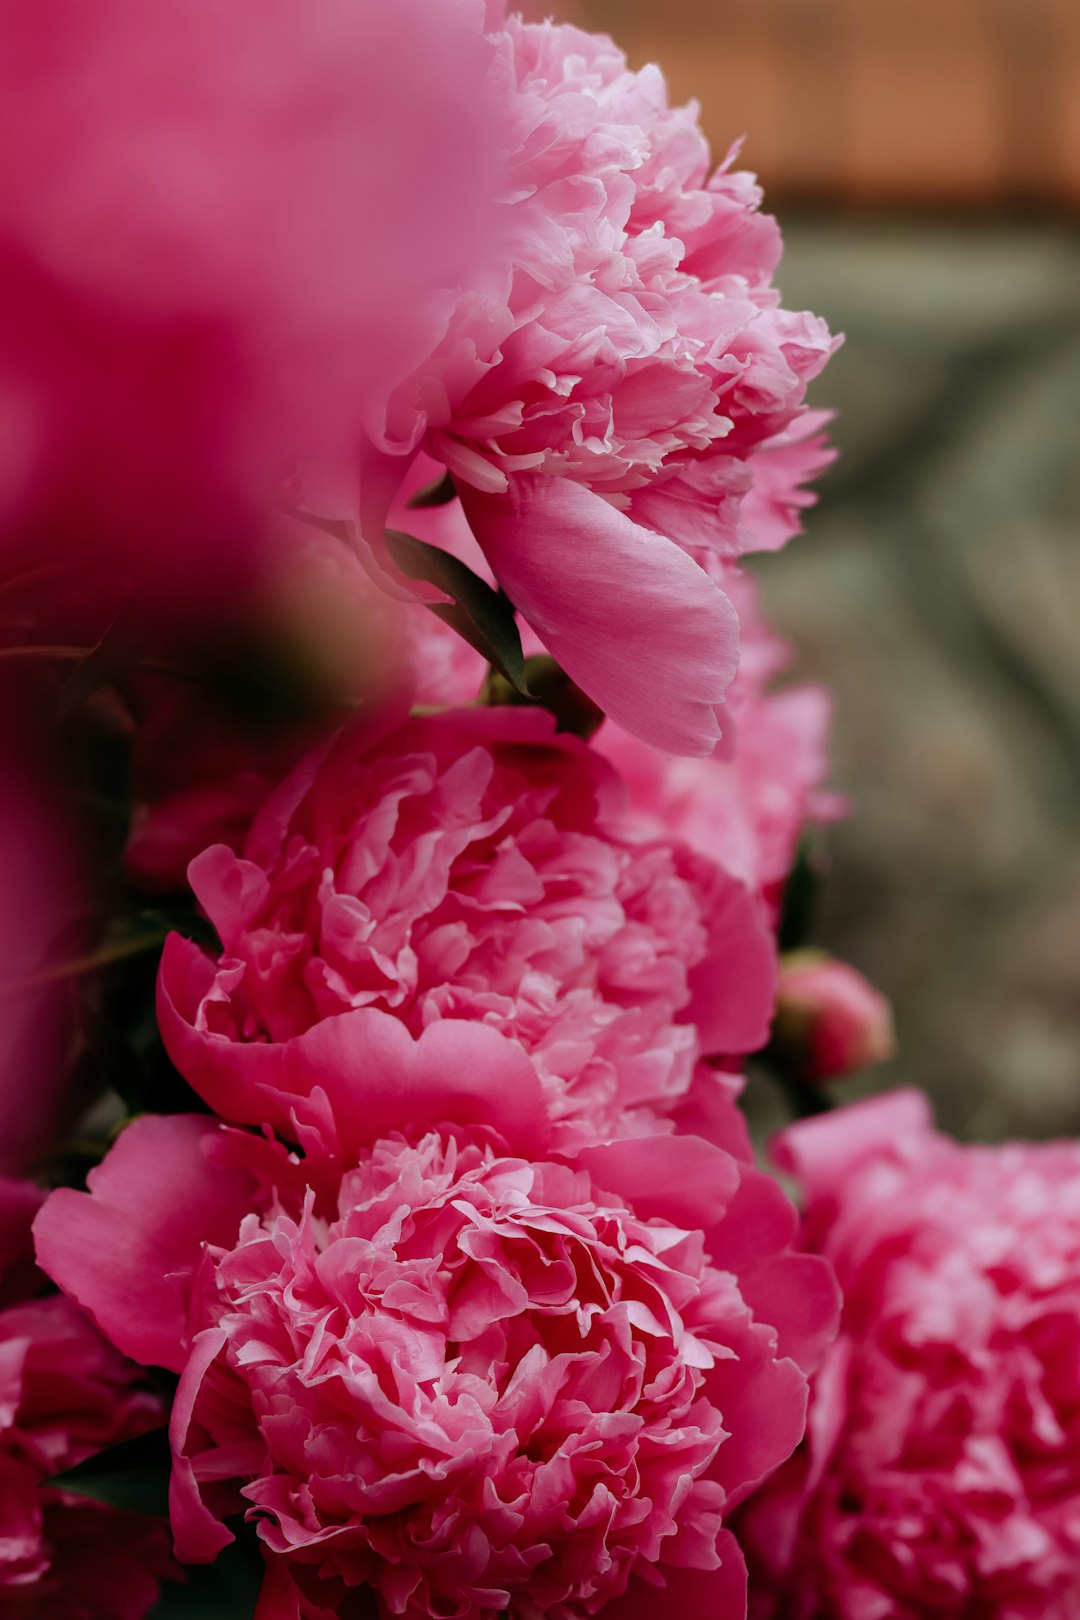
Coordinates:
x,y
64,1394
472,865
830,1021
941,1474
622,395
227,230
746,806
436,1363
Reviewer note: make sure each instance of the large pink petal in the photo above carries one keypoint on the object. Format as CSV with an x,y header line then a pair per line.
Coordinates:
x,y
681,1179
358,1075
127,1248
734,986
630,617
796,1294
278,1597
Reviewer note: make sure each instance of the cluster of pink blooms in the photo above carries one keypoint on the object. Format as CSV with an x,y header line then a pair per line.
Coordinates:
x,y
439,1258
940,1475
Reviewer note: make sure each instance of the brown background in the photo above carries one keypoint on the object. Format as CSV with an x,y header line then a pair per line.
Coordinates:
x,y
882,101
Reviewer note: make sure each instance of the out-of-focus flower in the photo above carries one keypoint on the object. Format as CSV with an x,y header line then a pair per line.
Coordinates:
x,y
65,1393
830,1021
456,1372
471,865
227,229
200,769
747,804
41,896
608,396
941,1473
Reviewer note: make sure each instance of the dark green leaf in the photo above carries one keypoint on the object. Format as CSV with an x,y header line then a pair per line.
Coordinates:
x,y
551,686
133,1475
484,617
227,1589
440,493
800,899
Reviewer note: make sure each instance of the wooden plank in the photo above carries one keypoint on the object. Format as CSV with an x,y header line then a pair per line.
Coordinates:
x,y
893,101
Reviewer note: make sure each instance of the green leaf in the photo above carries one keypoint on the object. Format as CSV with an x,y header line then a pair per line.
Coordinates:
x,y
484,617
227,1589
440,493
133,1475
799,903
551,686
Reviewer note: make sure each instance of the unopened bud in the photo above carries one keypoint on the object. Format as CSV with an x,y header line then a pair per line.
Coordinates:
x,y
829,1020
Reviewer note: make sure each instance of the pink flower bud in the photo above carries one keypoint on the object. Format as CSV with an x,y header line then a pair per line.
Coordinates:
x,y
829,1020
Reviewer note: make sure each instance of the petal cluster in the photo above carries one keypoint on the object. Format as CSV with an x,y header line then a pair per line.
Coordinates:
x,y
474,866
468,1381
941,1473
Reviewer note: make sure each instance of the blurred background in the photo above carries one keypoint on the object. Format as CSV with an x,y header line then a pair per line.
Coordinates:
x,y
924,158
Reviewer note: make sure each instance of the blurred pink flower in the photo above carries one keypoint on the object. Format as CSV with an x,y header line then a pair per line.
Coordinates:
x,y
472,865
200,771
64,1394
830,1021
941,1474
457,1373
227,230
43,898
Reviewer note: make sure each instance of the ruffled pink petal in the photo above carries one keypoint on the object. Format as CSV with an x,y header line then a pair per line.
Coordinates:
x,y
198,1535
127,1248
630,617
361,1074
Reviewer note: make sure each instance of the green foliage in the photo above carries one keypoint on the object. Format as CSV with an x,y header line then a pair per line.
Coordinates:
x,y
549,684
483,616
227,1589
133,1475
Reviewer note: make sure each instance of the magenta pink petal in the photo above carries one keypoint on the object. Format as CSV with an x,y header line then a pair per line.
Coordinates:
x,y
126,1249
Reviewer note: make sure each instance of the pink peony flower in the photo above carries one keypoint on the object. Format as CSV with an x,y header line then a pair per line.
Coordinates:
x,y
941,1473
64,1394
472,865
745,806
612,391
829,1020
457,1373
226,231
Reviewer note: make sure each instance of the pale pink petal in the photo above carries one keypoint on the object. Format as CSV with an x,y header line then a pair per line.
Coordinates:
x,y
631,618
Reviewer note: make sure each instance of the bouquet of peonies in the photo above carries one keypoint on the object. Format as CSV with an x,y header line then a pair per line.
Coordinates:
x,y
403,845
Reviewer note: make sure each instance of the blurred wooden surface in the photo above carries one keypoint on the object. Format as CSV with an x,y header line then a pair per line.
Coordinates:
x,y
910,102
